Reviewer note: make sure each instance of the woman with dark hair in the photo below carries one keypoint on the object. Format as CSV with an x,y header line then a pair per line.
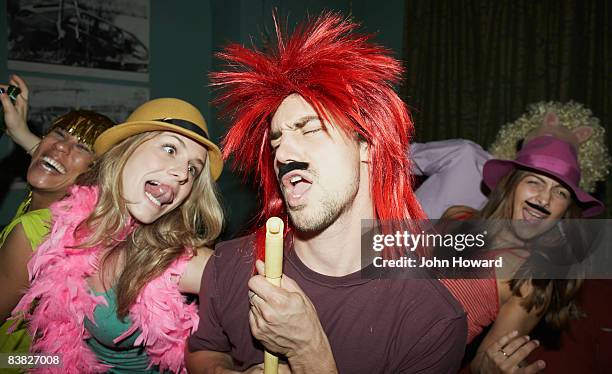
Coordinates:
x,y
529,195
64,153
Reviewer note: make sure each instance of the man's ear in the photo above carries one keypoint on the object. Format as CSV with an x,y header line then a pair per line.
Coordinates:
x,y
583,133
364,152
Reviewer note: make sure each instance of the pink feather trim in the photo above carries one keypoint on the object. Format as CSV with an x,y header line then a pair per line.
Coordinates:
x,y
58,284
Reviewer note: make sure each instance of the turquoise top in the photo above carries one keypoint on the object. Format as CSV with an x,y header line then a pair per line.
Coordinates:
x,y
123,356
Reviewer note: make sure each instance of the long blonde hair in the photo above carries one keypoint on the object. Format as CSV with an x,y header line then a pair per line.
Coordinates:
x,y
151,248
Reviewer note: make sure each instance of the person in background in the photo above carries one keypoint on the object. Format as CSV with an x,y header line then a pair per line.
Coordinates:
x,y
454,173
453,168
532,193
58,159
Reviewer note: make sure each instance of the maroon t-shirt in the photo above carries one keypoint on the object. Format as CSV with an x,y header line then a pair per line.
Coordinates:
x,y
373,325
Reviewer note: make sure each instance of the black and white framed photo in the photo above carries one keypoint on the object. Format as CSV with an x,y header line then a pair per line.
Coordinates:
x,y
104,39
50,98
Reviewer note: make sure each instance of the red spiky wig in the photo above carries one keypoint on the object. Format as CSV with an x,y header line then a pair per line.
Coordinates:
x,y
347,79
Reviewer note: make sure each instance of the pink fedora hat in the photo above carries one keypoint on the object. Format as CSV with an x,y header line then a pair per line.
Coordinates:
x,y
551,156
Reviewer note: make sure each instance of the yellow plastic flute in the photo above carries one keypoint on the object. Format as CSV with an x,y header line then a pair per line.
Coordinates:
x,y
274,271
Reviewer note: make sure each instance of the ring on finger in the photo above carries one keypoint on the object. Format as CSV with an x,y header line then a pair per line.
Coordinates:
x,y
504,353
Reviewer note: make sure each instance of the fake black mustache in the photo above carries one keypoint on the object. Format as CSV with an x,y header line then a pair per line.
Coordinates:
x,y
539,208
286,168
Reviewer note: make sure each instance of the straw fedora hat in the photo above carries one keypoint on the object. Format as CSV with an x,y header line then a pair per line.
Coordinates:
x,y
166,114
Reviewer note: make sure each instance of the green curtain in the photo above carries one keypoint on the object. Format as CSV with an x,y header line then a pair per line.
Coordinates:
x,y
474,65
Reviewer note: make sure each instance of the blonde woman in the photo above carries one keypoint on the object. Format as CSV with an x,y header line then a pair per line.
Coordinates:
x,y
129,239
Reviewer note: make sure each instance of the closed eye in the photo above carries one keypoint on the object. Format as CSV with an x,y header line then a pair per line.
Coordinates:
x,y
60,133
311,125
312,131
83,148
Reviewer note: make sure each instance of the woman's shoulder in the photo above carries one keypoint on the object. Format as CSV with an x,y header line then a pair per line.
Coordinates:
x,y
459,212
35,225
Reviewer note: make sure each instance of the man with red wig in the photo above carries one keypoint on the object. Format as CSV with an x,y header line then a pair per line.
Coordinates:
x,y
316,120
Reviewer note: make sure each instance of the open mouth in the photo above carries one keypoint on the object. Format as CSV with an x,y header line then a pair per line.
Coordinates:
x,y
530,214
158,193
52,165
296,185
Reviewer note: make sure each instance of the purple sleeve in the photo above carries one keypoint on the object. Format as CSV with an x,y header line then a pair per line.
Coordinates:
x,y
454,171
440,350
210,334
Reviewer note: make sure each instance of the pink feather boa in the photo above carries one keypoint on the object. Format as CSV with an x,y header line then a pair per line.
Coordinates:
x,y
63,299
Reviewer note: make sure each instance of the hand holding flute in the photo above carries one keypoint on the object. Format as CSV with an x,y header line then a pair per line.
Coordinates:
x,y
274,271
282,317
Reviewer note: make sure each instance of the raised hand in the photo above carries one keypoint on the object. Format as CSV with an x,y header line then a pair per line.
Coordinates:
x,y
15,115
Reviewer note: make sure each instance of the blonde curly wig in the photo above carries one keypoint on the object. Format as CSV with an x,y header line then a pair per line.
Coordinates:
x,y
592,155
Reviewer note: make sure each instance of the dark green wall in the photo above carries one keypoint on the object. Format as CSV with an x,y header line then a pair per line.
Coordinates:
x,y
183,37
